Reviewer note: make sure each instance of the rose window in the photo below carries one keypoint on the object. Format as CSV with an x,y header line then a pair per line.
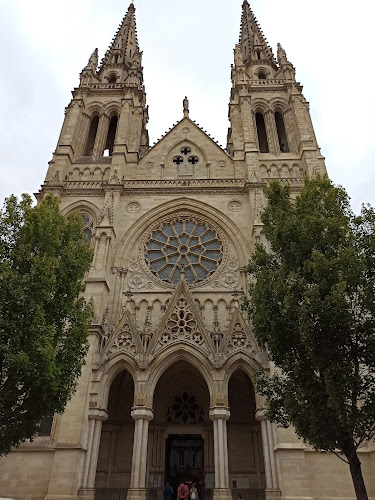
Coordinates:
x,y
185,409
183,244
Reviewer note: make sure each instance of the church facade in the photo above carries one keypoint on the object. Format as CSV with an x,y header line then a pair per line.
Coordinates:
x,y
167,389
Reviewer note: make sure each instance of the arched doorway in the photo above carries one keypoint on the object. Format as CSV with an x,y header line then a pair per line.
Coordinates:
x,y
181,434
116,443
245,451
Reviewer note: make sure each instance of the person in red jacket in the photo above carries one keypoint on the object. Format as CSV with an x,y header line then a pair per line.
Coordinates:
x,y
182,491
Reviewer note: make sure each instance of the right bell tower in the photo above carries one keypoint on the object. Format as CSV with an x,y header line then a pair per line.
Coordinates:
x,y
271,131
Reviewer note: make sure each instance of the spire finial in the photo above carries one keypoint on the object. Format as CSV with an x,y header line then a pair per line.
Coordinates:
x,y
186,107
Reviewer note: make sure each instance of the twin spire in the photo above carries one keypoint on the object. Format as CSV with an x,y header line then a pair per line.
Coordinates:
x,y
124,57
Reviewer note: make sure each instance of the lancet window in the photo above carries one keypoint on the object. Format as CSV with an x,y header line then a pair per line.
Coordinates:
x,y
91,136
110,142
281,133
262,133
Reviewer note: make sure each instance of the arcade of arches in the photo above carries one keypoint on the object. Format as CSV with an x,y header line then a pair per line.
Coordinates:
x,y
181,434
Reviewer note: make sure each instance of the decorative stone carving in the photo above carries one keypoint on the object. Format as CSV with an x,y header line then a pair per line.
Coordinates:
x,y
239,339
124,341
133,207
185,409
222,163
107,210
150,164
133,265
258,204
235,206
186,130
137,280
229,279
181,325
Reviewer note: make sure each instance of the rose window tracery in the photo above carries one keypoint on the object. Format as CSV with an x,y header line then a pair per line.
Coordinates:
x,y
183,243
185,409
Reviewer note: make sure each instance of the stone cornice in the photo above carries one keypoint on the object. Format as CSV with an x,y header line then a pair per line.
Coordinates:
x,y
95,188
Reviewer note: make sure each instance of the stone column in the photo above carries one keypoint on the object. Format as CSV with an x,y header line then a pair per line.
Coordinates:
x,y
142,417
101,136
219,415
96,418
272,483
273,141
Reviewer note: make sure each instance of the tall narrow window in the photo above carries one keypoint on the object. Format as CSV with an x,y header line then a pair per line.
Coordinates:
x,y
281,134
111,135
262,134
91,137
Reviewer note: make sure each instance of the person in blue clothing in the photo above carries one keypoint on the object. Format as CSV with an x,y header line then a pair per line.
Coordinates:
x,y
167,491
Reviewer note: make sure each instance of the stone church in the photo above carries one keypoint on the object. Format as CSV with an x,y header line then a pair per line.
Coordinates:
x,y
167,389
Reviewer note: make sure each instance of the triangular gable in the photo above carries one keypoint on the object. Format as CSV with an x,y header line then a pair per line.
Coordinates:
x,y
188,130
125,338
181,323
238,336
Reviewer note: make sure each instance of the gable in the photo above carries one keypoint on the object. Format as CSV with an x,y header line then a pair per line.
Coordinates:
x,y
125,337
186,152
238,337
182,323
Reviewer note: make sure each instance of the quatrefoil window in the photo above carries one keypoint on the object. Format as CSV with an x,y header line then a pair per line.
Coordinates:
x,y
185,409
193,160
184,243
185,150
177,160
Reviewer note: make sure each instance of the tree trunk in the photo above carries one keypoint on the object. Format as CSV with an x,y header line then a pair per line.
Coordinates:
x,y
356,472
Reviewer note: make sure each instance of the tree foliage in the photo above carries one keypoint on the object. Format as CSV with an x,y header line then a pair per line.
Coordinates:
x,y
43,322
312,306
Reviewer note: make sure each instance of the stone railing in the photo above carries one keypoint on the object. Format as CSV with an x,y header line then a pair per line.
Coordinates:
x,y
179,183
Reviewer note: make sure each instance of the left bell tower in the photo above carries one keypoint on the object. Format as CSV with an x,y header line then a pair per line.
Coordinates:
x,y
105,123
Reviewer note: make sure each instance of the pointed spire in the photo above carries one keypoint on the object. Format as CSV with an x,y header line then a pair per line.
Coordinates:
x,y
124,49
253,44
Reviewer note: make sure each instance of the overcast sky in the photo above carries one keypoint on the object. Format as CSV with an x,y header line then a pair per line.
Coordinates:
x,y
187,50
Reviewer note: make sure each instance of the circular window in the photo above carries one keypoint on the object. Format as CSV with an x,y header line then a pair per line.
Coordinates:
x,y
185,409
184,243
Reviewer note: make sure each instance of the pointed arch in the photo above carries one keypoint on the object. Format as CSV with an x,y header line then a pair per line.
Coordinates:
x,y
196,207
109,371
173,355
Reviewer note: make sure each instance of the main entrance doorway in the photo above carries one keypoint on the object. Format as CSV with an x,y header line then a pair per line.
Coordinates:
x,y
184,456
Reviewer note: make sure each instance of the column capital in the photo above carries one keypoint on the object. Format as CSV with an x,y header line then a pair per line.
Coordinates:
x,y
142,412
98,414
261,414
219,412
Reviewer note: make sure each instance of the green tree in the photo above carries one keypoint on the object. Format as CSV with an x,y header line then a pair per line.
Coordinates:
x,y
312,306
43,322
